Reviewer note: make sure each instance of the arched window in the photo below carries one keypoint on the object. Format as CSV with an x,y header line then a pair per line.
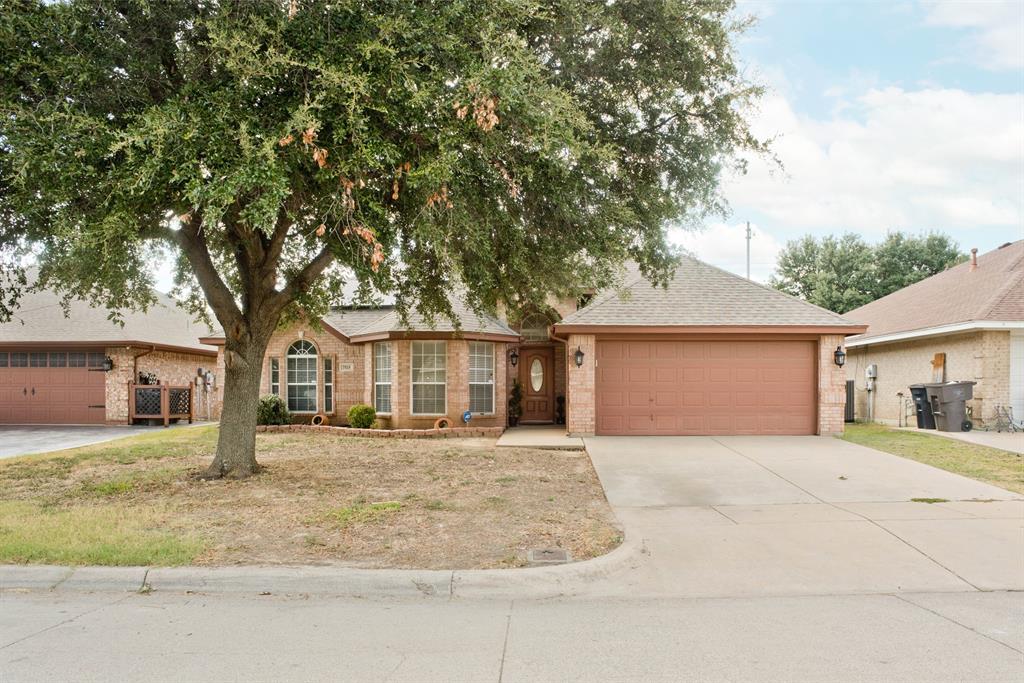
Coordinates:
x,y
534,328
301,377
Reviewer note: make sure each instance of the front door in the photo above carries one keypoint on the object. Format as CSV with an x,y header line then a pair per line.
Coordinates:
x,y
536,376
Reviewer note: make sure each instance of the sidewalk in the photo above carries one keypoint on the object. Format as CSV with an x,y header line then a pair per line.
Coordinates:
x,y
1006,441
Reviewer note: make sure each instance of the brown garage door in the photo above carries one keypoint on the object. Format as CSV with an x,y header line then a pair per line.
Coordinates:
x,y
52,387
706,387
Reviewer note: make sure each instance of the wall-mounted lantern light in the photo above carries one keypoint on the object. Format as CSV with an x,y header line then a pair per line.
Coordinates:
x,y
513,357
108,364
839,356
579,357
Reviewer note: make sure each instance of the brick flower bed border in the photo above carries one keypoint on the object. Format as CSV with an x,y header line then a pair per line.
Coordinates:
x,y
450,433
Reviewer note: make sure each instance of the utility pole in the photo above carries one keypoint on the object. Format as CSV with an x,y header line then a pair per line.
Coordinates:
x,y
748,250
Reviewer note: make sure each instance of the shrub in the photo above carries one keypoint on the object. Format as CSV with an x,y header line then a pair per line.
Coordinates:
x,y
361,416
272,411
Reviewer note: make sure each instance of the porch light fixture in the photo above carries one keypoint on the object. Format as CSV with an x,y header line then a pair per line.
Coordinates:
x,y
839,356
108,364
579,357
513,357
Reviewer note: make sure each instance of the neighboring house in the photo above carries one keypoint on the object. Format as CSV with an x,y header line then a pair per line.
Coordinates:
x,y
711,354
966,323
52,367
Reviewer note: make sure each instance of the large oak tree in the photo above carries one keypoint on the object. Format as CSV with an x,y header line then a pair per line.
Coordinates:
x,y
505,148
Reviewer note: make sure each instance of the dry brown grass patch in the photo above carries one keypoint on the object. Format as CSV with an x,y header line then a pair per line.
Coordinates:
x,y
324,499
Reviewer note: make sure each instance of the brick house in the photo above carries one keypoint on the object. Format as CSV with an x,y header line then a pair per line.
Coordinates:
x,y
965,323
76,369
713,353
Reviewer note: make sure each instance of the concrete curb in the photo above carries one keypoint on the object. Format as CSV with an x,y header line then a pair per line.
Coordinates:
x,y
533,582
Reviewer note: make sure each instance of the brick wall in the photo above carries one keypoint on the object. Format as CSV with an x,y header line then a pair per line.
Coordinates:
x,y
983,357
169,368
457,389
353,378
349,367
580,408
831,387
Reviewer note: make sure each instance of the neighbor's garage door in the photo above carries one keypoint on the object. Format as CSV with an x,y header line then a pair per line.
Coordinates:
x,y
52,387
706,387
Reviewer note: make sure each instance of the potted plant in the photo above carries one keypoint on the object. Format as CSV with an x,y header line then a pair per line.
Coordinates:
x,y
515,403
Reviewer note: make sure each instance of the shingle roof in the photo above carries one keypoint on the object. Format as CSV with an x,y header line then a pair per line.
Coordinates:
x,y
469,322
349,321
40,319
703,296
993,291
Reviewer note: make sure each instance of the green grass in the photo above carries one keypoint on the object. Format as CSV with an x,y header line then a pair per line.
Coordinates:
x,y
109,535
149,446
362,513
990,465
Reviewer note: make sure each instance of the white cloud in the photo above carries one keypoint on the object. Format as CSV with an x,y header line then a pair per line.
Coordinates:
x,y
725,246
925,159
995,29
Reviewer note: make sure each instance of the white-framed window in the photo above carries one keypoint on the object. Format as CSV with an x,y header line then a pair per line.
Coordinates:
x,y
429,377
382,377
301,377
481,377
275,376
328,384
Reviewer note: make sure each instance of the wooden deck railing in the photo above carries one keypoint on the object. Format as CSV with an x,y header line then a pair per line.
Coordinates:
x,y
160,402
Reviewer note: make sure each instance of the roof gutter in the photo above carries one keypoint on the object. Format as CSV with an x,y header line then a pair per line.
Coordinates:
x,y
709,329
938,330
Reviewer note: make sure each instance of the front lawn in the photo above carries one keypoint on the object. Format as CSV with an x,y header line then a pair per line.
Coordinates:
x,y
990,465
320,499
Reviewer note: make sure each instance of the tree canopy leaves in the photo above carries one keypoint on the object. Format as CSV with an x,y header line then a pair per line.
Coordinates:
x,y
516,148
844,273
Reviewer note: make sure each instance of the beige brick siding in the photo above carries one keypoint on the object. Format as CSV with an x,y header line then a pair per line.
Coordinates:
x,y
580,401
983,357
169,368
831,387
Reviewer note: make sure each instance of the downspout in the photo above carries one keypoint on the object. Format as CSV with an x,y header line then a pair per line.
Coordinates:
x,y
135,373
565,343
135,362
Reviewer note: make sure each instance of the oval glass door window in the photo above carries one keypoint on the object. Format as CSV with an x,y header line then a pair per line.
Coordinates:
x,y
536,374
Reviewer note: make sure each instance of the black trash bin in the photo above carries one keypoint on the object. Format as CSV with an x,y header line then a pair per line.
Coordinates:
x,y
922,407
949,405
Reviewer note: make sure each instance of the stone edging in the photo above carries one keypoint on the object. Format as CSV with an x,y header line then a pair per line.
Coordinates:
x,y
450,433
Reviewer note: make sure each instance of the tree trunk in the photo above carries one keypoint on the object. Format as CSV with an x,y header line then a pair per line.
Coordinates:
x,y
236,446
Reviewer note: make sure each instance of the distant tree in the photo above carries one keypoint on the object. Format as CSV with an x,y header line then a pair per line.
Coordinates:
x,y
844,273
902,260
833,272
507,149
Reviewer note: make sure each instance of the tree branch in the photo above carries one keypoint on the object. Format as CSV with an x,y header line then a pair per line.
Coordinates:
x,y
193,243
305,278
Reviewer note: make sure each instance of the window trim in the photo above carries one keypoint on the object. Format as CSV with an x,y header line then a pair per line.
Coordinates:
x,y
492,382
274,375
316,378
327,368
413,383
391,377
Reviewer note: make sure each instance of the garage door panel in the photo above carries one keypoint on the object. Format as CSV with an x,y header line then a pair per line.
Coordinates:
x,y
719,388
52,387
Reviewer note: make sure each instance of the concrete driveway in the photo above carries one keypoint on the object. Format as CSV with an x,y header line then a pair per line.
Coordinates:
x,y
26,440
755,516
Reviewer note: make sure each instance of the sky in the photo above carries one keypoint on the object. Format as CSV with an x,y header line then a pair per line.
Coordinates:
x,y
886,116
